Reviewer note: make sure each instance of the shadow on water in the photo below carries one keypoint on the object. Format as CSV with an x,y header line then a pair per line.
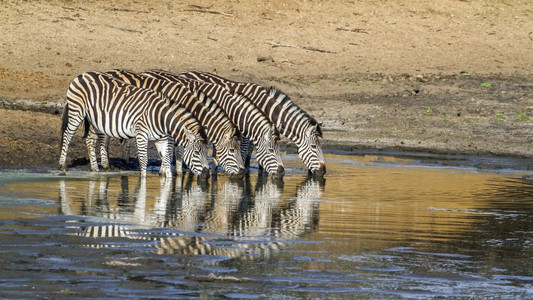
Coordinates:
x,y
377,227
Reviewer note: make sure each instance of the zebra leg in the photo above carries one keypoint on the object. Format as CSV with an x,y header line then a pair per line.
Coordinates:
x,y
103,140
251,148
215,163
246,152
170,153
178,153
248,156
142,151
90,141
164,149
126,143
170,156
68,132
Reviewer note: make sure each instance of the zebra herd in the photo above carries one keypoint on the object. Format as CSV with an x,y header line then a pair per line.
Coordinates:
x,y
188,110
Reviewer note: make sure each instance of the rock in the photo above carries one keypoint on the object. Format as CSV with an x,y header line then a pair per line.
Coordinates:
x,y
265,58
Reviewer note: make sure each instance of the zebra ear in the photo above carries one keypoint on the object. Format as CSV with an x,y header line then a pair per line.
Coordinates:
x,y
215,72
310,131
314,130
318,131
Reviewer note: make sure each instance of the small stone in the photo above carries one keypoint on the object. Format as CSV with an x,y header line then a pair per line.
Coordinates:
x,y
265,58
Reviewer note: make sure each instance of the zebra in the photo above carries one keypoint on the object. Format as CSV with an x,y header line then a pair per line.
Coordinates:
x,y
124,111
219,129
249,119
292,121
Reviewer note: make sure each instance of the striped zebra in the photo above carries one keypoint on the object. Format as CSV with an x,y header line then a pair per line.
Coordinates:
x,y
249,119
291,121
219,129
124,111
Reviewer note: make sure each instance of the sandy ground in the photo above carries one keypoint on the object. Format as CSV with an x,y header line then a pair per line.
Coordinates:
x,y
428,76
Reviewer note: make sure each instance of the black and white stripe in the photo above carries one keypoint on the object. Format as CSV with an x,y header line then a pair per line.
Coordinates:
x,y
124,111
249,119
238,223
219,129
290,119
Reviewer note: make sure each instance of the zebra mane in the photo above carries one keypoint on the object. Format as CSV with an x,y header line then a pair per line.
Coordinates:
x,y
274,93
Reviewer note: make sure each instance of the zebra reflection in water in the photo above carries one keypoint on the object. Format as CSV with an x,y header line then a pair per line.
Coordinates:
x,y
225,218
124,217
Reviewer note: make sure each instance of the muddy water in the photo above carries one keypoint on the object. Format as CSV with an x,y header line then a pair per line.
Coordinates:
x,y
376,227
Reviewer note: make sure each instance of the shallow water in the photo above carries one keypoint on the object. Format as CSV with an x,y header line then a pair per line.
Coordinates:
x,y
376,227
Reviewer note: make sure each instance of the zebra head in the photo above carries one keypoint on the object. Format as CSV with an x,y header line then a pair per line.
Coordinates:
x,y
228,154
310,152
195,154
268,155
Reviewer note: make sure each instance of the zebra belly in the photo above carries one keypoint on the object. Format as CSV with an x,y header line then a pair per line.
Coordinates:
x,y
114,128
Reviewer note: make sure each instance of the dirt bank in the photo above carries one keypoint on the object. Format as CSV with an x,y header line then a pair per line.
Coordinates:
x,y
447,76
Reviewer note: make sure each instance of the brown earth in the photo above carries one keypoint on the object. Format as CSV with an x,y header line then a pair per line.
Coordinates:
x,y
427,76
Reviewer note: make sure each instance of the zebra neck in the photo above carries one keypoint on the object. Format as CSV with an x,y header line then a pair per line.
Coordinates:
x,y
295,138
170,117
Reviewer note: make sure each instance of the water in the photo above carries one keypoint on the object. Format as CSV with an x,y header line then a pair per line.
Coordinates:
x,y
376,227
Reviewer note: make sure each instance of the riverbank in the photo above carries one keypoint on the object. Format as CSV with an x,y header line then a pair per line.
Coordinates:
x,y
427,78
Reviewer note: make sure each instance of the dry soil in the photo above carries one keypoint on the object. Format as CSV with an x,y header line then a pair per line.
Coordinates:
x,y
446,76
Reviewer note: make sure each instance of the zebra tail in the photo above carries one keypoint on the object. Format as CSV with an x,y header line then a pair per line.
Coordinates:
x,y
64,122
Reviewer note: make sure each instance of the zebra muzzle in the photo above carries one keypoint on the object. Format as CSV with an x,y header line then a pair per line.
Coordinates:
x,y
321,169
280,171
239,174
205,173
